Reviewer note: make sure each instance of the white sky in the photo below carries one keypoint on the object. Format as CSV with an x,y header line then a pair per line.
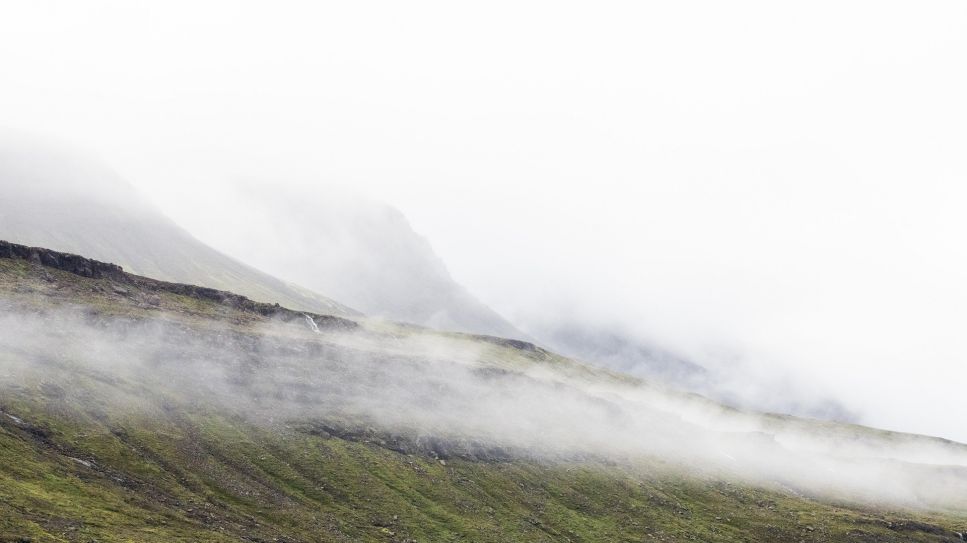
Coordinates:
x,y
780,182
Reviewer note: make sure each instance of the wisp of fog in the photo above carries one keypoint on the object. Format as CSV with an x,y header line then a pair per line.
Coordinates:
x,y
453,395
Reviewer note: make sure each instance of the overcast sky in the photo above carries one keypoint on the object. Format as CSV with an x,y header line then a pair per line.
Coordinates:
x,y
780,184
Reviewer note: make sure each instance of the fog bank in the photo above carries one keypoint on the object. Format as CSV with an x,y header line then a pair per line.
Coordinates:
x,y
461,396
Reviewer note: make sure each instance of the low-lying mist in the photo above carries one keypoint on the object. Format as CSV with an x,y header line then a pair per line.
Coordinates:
x,y
454,396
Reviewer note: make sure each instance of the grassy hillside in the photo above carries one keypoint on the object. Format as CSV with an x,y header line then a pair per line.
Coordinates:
x,y
94,452
79,476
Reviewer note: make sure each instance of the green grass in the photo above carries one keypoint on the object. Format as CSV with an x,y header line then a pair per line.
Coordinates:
x,y
83,467
209,477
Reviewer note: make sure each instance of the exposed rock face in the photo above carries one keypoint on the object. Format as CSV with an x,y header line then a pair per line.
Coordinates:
x,y
518,344
427,445
75,264
95,269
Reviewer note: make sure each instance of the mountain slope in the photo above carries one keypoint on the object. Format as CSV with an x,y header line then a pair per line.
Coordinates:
x,y
134,409
366,251
616,349
56,199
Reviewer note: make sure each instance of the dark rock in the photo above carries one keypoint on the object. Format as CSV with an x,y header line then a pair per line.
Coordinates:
x,y
94,269
437,448
512,343
75,264
915,526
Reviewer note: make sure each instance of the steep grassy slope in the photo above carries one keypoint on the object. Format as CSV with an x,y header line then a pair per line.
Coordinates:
x,y
105,452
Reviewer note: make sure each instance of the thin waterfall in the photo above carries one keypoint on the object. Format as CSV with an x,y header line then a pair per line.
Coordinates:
x,y
311,323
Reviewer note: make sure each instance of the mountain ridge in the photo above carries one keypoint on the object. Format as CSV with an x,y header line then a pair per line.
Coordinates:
x,y
338,241
344,256
57,199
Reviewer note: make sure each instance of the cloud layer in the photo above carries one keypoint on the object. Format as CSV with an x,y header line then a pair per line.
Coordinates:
x,y
768,190
456,396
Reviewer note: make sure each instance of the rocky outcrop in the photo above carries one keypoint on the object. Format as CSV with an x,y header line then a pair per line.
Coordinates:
x,y
78,265
438,448
94,269
518,344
